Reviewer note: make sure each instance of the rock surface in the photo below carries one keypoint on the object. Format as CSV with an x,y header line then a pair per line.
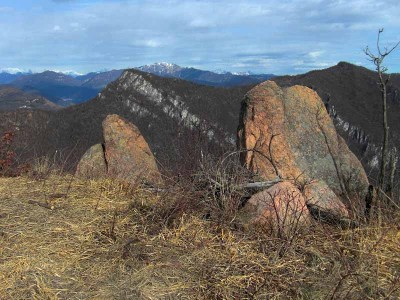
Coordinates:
x,y
288,132
281,208
92,163
319,194
127,153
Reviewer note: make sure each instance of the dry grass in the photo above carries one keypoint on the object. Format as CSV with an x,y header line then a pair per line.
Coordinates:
x,y
104,241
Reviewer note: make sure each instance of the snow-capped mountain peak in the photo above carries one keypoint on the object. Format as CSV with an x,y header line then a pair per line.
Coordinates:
x,y
224,72
69,73
160,68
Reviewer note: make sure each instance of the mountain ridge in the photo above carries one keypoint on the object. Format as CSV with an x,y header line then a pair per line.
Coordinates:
x,y
66,89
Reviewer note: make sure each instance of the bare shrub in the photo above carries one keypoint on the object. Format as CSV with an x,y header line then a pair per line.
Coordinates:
x,y
221,184
7,154
285,213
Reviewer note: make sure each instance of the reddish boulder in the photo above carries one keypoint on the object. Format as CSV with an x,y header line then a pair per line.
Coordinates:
x,y
320,195
127,153
287,132
281,208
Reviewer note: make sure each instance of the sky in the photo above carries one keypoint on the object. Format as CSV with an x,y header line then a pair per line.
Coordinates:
x,y
262,36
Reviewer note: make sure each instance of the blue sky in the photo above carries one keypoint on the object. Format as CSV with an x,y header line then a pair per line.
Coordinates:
x,y
270,36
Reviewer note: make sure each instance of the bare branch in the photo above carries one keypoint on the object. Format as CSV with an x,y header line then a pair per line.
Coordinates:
x,y
377,41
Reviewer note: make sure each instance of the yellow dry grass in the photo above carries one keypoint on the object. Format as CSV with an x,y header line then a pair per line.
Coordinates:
x,y
101,240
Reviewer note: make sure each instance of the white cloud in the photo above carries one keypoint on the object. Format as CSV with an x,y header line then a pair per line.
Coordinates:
x,y
151,43
315,54
56,28
201,23
11,70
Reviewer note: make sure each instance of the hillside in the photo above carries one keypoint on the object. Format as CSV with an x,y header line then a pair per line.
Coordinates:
x,y
66,89
6,78
12,98
99,80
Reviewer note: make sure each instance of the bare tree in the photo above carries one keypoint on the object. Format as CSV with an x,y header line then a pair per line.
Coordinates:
x,y
377,60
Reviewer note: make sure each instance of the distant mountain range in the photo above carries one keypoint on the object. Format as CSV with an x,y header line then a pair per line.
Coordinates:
x,y
220,79
68,89
6,78
63,89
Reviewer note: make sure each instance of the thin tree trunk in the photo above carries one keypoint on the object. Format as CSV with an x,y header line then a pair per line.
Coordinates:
x,y
382,174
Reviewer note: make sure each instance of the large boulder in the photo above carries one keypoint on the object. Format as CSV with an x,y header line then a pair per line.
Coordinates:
x,y
127,153
280,208
93,163
287,132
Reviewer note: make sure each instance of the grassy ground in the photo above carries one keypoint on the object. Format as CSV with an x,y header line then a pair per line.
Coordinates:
x,y
62,238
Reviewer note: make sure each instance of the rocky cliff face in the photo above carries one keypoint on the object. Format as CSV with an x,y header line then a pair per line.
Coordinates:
x,y
366,148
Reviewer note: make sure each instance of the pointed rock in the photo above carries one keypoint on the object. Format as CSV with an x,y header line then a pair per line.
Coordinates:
x,y
127,153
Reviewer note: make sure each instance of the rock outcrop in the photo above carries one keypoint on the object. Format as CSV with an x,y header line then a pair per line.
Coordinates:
x,y
281,208
125,154
287,132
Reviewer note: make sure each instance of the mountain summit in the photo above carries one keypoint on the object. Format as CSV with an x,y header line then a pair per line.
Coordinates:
x,y
161,69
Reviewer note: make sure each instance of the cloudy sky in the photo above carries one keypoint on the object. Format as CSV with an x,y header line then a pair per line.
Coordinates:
x,y
268,36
